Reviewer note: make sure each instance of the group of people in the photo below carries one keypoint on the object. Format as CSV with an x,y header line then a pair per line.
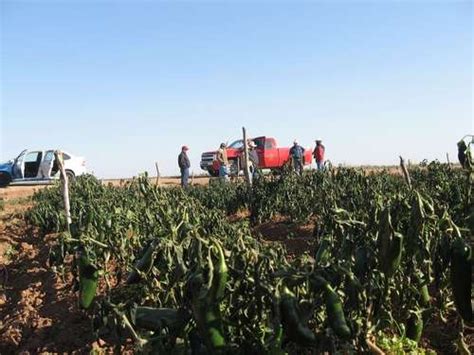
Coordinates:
x,y
296,154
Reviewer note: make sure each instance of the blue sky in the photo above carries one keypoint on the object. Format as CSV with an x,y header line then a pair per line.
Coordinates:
x,y
126,83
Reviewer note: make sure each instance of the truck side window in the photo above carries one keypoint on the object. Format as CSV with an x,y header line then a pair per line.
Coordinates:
x,y
259,142
49,155
268,144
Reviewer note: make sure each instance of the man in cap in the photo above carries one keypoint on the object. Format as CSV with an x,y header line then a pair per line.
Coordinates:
x,y
223,162
253,157
297,154
184,165
318,154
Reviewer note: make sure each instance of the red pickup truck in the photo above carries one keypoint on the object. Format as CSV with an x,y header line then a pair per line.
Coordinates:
x,y
270,156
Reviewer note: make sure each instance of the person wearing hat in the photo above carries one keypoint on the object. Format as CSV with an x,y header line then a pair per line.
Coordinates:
x,y
223,162
297,154
318,154
253,157
184,165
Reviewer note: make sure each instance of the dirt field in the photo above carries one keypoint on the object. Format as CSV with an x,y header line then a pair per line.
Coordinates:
x,y
38,312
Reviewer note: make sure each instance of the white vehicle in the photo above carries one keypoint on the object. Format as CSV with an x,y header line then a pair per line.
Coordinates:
x,y
39,167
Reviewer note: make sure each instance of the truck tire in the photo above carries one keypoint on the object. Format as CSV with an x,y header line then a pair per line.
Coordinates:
x,y
5,179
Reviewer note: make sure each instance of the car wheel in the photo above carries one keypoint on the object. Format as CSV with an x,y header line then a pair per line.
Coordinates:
x,y
5,179
70,176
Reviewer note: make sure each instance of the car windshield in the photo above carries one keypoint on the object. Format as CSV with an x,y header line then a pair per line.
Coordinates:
x,y
20,155
237,144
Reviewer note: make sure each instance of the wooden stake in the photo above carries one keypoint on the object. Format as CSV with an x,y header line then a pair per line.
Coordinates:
x,y
405,172
59,158
246,158
157,173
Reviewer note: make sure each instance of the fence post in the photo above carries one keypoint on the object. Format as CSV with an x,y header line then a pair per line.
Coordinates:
x,y
405,172
65,190
246,158
447,159
157,173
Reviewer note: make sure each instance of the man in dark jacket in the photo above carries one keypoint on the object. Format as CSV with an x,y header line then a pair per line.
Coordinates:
x,y
184,165
297,154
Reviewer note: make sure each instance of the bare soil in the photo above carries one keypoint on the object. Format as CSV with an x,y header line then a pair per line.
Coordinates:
x,y
18,192
296,239
38,311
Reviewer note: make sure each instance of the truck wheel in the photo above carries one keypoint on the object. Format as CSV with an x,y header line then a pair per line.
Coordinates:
x,y
5,179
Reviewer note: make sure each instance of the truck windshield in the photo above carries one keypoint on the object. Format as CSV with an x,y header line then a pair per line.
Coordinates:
x,y
237,144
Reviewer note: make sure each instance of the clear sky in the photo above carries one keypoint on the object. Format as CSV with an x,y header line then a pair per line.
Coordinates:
x,y
126,83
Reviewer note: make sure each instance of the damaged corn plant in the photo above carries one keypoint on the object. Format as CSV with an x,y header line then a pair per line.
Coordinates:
x,y
169,270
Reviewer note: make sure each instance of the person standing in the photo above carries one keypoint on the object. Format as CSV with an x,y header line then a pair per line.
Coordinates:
x,y
223,162
318,154
297,154
184,165
253,157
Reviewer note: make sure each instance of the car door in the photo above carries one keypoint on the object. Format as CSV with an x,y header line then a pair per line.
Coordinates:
x,y
46,165
31,164
18,168
260,149
271,154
